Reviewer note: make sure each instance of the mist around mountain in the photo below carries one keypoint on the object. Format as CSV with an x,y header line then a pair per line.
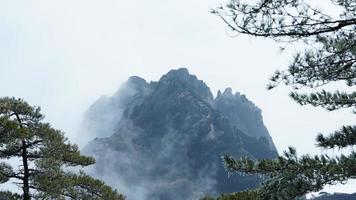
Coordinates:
x,y
164,139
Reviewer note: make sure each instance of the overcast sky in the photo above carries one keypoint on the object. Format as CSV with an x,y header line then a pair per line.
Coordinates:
x,y
63,55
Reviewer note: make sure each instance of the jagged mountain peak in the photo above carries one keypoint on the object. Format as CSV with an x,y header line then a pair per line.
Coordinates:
x,y
180,72
133,84
169,135
228,92
138,81
181,79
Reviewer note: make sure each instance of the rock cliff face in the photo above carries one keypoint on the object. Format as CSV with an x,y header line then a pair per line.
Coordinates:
x,y
164,140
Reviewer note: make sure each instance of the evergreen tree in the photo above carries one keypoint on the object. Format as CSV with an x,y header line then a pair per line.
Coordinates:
x,y
6,195
329,56
245,195
45,157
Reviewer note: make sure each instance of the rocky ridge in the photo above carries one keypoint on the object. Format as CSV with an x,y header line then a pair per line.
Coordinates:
x,y
165,139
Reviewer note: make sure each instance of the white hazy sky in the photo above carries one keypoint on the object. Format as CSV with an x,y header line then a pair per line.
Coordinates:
x,y
63,55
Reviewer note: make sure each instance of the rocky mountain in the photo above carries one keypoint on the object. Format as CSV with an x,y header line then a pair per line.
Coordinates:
x,y
164,140
335,196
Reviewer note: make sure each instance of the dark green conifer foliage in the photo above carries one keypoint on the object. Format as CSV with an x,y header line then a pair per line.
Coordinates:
x,y
245,195
6,195
329,56
45,156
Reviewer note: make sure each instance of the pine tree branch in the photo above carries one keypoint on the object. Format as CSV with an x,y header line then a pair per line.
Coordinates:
x,y
281,19
334,59
9,152
328,100
7,195
6,172
290,176
342,138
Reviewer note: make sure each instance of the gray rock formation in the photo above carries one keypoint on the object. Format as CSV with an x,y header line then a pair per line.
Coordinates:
x,y
164,140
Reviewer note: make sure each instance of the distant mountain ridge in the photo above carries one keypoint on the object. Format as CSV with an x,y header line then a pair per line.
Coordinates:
x,y
335,196
164,139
